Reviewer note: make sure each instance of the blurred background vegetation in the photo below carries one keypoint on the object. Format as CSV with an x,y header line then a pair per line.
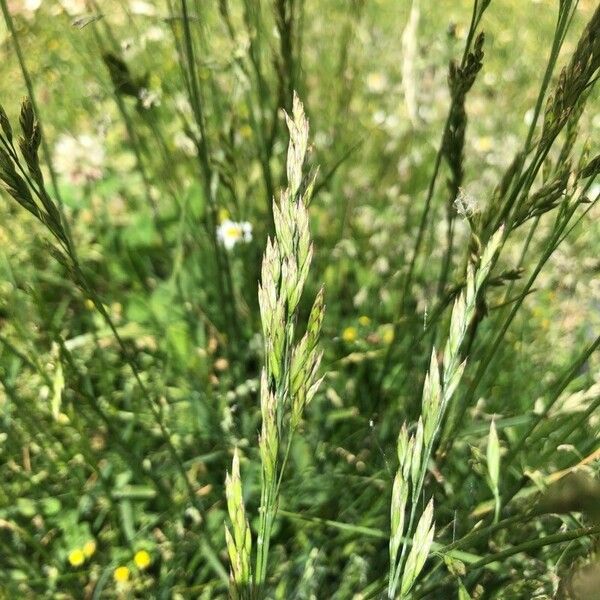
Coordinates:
x,y
92,502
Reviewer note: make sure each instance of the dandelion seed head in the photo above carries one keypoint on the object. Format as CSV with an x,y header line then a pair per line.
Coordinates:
x,y
465,204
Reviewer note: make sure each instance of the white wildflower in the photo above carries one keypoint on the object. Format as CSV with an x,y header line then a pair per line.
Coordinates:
x,y
229,233
79,159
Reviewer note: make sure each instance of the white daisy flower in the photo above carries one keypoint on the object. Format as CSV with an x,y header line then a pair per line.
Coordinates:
x,y
229,233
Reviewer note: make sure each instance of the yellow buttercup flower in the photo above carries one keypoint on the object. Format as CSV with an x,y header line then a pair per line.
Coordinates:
x,y
121,574
349,335
387,333
364,320
142,559
223,215
89,548
76,557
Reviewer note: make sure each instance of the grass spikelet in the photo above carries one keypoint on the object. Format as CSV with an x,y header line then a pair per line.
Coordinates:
x,y
289,380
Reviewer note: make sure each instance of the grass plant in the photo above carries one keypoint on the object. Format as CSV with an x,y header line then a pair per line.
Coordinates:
x,y
181,418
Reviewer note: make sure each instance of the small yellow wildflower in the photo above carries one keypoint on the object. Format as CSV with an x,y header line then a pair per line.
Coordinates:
x,y
223,215
121,574
364,320
142,559
349,335
76,557
387,334
89,548
89,304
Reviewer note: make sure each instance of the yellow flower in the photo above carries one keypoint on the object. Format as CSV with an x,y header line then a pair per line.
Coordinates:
x,y
76,557
121,574
89,548
387,334
89,304
364,321
142,559
349,335
223,215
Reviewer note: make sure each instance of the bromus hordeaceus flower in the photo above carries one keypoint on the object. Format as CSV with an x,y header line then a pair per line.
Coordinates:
x,y
415,451
289,378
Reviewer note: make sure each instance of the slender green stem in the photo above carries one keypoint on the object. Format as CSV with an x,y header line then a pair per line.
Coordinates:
x,y
548,540
475,18
562,24
151,404
555,238
473,568
565,433
558,389
133,138
224,279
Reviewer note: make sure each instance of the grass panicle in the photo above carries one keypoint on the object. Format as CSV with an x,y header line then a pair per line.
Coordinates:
x,y
289,378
